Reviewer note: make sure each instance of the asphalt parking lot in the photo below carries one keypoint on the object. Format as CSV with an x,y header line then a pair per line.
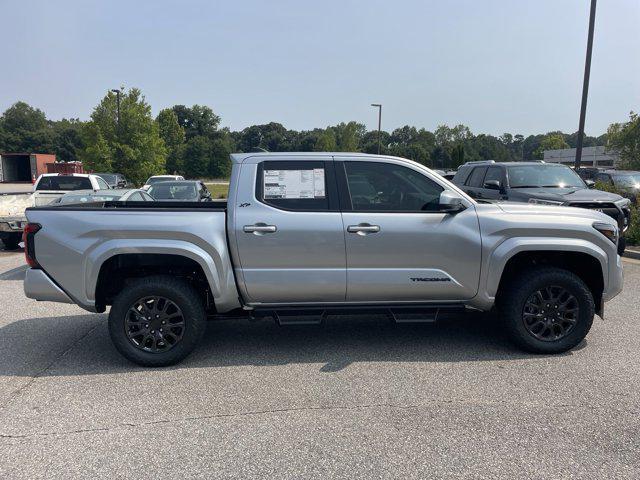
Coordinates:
x,y
351,399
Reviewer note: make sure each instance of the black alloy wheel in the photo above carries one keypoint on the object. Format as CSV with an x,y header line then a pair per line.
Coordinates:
x,y
550,313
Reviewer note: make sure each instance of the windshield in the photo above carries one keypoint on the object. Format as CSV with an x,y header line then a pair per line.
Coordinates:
x,y
88,198
153,180
110,178
630,181
549,176
64,183
174,191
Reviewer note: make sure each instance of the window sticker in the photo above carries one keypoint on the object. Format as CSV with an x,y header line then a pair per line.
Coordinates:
x,y
294,184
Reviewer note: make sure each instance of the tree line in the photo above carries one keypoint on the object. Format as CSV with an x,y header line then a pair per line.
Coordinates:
x,y
189,140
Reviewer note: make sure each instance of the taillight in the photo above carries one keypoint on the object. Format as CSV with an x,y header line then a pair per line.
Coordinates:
x,y
30,229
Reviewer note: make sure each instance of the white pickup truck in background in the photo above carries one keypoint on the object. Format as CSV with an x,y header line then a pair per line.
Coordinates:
x,y
46,189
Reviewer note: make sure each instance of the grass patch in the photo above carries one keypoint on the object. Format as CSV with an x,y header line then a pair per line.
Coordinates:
x,y
217,190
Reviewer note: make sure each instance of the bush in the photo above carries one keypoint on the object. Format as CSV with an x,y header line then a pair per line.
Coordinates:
x,y
633,233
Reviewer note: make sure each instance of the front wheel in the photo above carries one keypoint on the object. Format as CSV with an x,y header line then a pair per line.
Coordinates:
x,y
547,310
157,321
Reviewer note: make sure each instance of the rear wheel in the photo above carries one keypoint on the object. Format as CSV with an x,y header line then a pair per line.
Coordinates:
x,y
11,242
157,321
547,310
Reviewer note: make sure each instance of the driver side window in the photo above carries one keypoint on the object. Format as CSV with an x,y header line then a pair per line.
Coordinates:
x,y
387,187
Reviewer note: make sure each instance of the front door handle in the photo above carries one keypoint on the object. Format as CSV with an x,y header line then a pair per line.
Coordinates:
x,y
363,229
259,229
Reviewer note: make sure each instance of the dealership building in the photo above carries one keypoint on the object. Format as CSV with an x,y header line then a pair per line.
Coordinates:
x,y
591,157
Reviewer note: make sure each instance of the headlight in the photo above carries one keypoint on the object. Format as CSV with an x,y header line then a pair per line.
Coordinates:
x,y
538,201
623,202
608,230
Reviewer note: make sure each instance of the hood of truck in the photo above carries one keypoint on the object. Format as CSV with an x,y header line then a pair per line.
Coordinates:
x,y
565,195
516,208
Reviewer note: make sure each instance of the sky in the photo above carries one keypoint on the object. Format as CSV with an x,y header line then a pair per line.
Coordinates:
x,y
494,65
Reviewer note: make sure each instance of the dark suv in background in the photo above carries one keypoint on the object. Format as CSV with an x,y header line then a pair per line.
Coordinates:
x,y
541,183
627,181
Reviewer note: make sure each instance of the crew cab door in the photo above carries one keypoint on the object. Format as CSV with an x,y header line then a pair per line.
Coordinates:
x,y
288,231
400,246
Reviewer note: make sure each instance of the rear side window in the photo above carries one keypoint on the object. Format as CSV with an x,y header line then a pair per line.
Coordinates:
x,y
64,183
296,185
461,175
476,177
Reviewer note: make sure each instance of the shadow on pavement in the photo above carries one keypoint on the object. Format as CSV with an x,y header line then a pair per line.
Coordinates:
x,y
15,273
80,345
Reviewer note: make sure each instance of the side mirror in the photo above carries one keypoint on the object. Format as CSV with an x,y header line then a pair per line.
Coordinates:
x,y
451,202
590,183
492,185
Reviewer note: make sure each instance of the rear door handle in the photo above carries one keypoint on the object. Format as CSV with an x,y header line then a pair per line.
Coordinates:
x,y
259,229
363,229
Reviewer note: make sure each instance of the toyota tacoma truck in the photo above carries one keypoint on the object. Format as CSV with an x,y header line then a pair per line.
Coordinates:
x,y
304,235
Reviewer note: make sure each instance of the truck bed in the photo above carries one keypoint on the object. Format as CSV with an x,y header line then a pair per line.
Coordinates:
x,y
75,241
213,205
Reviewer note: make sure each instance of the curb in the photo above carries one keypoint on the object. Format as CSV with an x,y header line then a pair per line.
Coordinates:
x,y
632,253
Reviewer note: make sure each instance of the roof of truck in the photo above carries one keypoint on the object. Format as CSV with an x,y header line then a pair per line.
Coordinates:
x,y
241,157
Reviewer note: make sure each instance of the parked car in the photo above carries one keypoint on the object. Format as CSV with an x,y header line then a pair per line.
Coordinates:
x,y
160,178
627,181
115,180
48,187
90,196
308,234
540,183
180,191
588,173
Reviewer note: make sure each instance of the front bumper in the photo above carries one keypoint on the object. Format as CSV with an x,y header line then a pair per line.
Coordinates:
x,y
39,286
616,280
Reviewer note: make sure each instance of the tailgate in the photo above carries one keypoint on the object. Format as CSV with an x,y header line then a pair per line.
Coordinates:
x,y
45,197
14,204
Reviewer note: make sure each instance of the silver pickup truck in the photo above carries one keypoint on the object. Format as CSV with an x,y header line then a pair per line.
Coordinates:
x,y
304,235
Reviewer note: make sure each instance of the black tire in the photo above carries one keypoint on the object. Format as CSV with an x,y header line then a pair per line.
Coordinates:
x,y
512,307
177,291
11,242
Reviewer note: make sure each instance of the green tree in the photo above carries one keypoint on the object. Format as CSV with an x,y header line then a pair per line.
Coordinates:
x,y
96,155
624,138
134,145
552,141
67,139
197,121
326,141
25,129
197,156
349,136
174,138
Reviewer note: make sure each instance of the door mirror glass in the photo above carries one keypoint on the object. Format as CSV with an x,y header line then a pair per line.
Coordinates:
x,y
590,183
451,201
492,184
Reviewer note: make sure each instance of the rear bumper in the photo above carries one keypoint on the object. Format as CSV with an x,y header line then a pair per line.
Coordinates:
x,y
13,225
39,286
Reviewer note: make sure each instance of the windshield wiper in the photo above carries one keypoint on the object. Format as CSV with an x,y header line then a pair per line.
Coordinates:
x,y
526,186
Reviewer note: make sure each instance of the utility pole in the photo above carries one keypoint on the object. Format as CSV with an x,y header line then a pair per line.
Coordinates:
x,y
117,91
379,107
585,84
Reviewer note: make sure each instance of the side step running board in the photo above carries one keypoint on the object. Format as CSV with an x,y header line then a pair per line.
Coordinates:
x,y
315,316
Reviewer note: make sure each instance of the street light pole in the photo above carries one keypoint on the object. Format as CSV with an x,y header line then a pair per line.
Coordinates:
x,y
117,92
379,107
585,84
